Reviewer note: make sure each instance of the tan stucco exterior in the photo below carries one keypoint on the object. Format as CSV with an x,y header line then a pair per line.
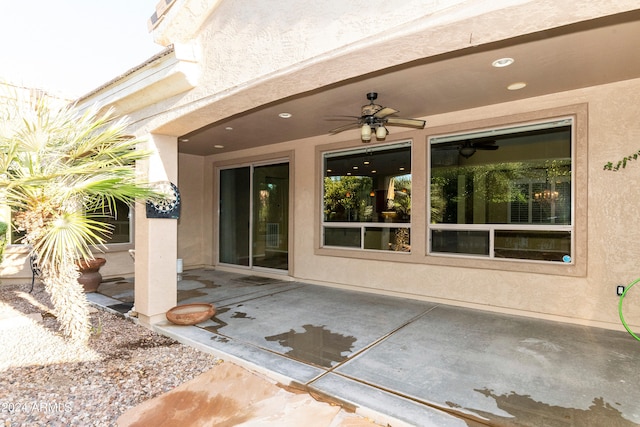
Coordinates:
x,y
290,55
585,294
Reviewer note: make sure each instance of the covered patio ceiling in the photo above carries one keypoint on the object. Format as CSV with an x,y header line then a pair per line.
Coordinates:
x,y
566,58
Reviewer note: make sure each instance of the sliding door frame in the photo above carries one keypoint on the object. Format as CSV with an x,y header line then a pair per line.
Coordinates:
x,y
252,164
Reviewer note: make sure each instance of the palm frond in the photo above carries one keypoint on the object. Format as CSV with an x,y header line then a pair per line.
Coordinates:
x,y
70,235
62,171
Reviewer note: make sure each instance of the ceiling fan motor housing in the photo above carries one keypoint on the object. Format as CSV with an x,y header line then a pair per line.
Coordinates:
x,y
377,117
371,108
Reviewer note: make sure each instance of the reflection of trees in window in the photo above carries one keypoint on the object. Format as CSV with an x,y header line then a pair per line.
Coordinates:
x,y
269,203
512,201
401,201
348,198
527,191
366,186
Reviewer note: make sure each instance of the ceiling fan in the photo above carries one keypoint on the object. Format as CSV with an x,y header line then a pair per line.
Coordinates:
x,y
374,118
468,148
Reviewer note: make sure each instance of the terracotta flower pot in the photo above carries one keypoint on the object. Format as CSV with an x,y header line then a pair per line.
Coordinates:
x,y
90,277
191,314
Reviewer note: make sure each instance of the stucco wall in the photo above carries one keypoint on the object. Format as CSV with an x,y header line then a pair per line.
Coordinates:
x,y
612,223
250,54
191,238
250,57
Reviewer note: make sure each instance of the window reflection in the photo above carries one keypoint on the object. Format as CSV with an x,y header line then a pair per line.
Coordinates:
x,y
503,193
363,186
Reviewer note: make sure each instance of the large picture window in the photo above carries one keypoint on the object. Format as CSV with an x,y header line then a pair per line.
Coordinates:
x,y
367,198
503,193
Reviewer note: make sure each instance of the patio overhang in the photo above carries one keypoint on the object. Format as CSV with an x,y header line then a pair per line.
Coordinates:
x,y
440,78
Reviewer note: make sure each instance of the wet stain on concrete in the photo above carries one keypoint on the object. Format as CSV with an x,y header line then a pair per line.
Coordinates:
x,y
220,323
121,308
241,315
198,292
181,407
122,291
218,338
256,280
209,284
191,293
527,412
116,279
315,345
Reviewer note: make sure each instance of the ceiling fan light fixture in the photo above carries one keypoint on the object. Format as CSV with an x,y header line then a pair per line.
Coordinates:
x,y
375,118
365,132
467,151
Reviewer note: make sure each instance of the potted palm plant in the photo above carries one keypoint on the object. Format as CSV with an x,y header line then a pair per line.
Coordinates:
x,y
57,165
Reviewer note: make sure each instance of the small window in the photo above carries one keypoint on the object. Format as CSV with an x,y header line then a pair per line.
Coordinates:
x,y
367,198
119,218
503,193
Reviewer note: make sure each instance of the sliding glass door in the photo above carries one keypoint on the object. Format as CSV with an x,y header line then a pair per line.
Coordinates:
x,y
235,204
254,216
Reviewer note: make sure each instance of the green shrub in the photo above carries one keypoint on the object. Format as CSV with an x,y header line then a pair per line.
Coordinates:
x,y
3,238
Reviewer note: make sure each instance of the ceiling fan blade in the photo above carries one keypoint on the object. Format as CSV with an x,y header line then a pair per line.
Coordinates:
x,y
343,118
386,111
345,127
415,123
443,147
484,144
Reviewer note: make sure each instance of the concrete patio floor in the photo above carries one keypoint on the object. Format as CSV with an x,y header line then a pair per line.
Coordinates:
x,y
408,362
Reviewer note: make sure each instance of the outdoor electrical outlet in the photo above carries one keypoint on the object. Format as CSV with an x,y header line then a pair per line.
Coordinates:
x,y
619,290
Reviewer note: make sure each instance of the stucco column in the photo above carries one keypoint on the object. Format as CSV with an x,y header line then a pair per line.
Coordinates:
x,y
156,239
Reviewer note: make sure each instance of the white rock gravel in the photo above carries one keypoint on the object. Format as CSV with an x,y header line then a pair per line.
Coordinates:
x,y
46,381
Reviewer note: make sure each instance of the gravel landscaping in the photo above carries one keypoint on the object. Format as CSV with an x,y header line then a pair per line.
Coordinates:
x,y
46,381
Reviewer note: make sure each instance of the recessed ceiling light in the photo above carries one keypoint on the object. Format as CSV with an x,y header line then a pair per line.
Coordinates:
x,y
184,139
285,115
228,128
218,146
366,162
502,62
516,86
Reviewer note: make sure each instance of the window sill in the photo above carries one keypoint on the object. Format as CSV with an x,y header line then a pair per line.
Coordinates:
x,y
460,261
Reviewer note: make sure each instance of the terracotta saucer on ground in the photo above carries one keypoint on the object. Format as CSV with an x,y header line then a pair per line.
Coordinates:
x,y
191,314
